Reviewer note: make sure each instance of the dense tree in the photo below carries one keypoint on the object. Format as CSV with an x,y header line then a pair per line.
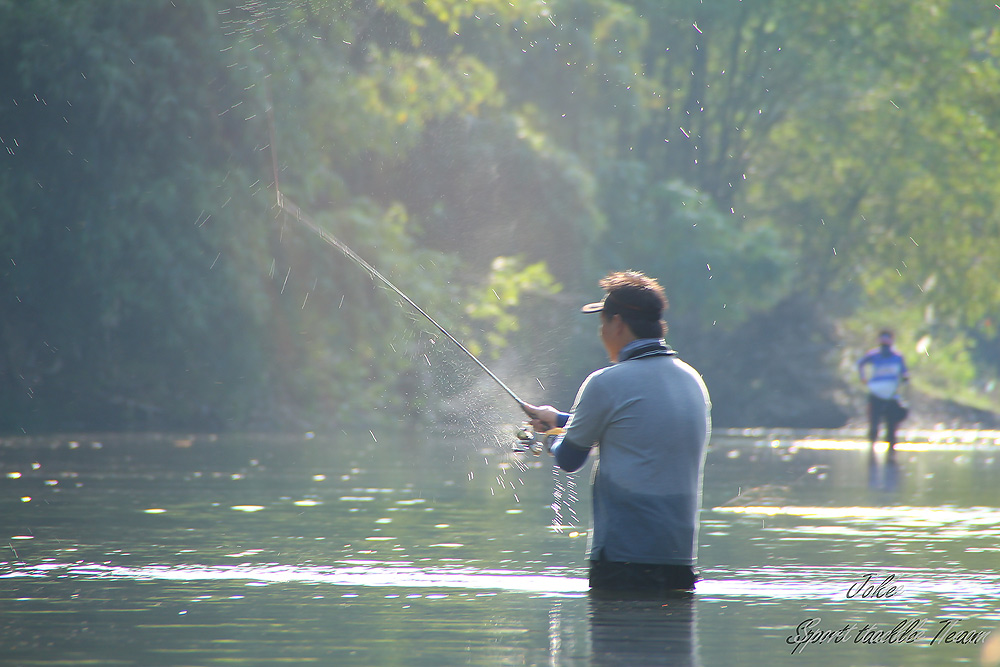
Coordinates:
x,y
884,181
115,168
775,160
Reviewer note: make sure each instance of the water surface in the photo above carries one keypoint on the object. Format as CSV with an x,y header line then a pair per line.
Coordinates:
x,y
412,550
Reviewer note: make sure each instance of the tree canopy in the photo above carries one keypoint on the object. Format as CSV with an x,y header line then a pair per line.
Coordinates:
x,y
834,165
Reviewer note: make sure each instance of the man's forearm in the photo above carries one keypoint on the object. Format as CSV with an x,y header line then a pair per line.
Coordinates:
x,y
569,455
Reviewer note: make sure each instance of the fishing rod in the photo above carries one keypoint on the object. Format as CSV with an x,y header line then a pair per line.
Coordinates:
x,y
289,208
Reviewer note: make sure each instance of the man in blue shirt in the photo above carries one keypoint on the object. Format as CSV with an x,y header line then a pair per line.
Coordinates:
x,y
649,415
882,370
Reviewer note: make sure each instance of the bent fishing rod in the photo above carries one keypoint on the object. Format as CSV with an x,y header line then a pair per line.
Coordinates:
x,y
290,209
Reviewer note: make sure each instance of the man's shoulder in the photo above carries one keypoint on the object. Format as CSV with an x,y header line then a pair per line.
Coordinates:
x,y
594,379
624,371
871,354
877,355
601,371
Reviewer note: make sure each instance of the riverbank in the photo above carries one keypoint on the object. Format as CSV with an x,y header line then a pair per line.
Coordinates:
x,y
932,414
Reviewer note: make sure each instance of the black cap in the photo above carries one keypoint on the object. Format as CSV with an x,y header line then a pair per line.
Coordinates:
x,y
634,302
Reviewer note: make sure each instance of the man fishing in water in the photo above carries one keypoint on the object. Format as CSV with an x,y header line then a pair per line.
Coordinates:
x,y
888,372
649,415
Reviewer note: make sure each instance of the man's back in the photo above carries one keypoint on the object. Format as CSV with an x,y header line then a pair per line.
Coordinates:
x,y
651,417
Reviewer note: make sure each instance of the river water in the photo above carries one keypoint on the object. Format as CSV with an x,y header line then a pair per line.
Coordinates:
x,y
409,549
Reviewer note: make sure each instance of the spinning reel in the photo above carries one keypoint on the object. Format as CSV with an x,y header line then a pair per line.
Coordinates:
x,y
527,440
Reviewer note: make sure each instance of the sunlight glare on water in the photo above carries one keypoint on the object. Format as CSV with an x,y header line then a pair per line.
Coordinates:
x,y
356,573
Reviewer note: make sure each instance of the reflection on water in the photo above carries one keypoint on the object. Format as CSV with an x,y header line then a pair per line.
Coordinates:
x,y
142,551
643,631
883,475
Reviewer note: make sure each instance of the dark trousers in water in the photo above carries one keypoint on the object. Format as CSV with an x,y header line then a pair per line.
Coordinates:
x,y
606,575
884,409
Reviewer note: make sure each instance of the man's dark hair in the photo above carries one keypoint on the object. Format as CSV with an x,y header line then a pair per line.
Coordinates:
x,y
639,300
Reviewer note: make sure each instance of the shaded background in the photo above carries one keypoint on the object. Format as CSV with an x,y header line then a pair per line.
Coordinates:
x,y
798,175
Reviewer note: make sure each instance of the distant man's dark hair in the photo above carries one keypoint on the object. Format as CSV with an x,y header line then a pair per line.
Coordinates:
x,y
639,300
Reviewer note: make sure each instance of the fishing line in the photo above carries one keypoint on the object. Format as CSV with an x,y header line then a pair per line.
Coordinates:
x,y
292,210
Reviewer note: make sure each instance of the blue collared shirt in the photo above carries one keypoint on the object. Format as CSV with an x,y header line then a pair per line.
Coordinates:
x,y
569,455
649,415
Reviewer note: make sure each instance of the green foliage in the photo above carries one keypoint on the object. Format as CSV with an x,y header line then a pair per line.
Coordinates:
x,y
451,14
509,282
118,280
477,153
888,174
885,179
716,268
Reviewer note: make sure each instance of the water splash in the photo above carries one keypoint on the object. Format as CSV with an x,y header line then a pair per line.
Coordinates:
x,y
564,499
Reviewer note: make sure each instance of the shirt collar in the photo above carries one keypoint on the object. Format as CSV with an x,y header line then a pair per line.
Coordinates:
x,y
642,346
